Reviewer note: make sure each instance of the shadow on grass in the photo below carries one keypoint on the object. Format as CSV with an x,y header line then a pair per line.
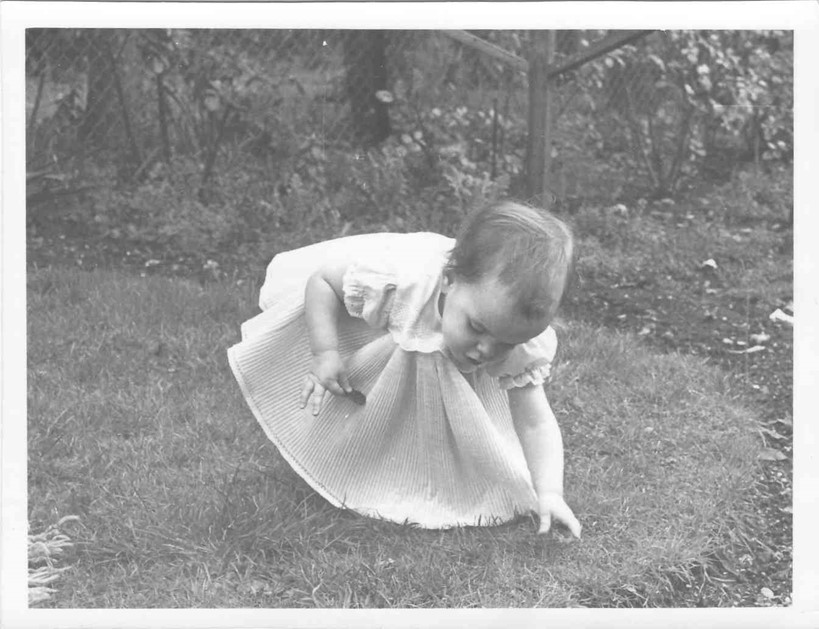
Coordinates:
x,y
136,426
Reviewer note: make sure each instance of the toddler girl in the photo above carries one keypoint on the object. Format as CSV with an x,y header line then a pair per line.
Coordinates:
x,y
420,362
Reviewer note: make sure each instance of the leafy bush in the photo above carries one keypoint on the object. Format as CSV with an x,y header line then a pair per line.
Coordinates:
x,y
164,211
246,132
688,102
756,196
319,193
248,144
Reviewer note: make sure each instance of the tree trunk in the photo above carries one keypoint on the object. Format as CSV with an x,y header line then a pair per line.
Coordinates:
x,y
114,90
100,122
366,62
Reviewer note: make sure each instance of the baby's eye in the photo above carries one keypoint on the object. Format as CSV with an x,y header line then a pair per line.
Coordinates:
x,y
476,327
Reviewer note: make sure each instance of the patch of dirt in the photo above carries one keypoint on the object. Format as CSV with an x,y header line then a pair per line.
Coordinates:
x,y
756,570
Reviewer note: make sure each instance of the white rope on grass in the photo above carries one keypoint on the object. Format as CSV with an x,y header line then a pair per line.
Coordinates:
x,y
44,550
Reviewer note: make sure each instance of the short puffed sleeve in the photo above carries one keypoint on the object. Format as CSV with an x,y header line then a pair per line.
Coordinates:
x,y
369,286
528,363
392,281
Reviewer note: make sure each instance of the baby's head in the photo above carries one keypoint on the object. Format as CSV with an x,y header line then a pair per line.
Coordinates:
x,y
504,280
528,250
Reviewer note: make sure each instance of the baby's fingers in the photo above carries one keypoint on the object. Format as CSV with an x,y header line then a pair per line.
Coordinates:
x,y
317,398
545,524
555,508
312,394
336,387
344,381
563,514
306,390
572,523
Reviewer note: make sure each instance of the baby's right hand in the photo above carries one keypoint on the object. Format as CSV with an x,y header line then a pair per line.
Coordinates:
x,y
327,373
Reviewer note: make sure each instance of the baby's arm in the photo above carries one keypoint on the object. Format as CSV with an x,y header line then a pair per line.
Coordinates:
x,y
324,304
539,434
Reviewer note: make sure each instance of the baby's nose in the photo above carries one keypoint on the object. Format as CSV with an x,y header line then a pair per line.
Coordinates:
x,y
487,349
493,350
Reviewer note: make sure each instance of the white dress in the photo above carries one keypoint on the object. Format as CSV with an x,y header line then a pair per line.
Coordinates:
x,y
431,446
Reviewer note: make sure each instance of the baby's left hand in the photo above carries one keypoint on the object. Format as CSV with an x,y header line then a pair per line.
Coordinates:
x,y
552,507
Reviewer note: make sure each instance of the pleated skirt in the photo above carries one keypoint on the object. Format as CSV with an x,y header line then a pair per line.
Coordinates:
x,y
431,446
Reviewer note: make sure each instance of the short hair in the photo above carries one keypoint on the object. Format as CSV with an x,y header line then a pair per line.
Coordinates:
x,y
528,249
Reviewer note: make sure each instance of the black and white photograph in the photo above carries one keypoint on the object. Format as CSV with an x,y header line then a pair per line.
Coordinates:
x,y
327,306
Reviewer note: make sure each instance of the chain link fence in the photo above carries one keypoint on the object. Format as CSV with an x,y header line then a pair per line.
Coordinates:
x,y
269,109
138,96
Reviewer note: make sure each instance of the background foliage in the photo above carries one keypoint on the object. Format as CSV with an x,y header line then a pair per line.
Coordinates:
x,y
187,138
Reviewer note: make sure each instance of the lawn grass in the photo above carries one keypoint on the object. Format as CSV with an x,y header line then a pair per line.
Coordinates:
x,y
136,426
671,250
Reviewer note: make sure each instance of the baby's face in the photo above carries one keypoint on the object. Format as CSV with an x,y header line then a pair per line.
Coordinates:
x,y
480,323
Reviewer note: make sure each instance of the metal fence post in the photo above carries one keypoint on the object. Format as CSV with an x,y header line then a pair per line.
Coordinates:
x,y
541,105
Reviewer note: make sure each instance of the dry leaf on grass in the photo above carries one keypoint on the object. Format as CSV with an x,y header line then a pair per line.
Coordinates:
x,y
778,316
771,454
749,350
